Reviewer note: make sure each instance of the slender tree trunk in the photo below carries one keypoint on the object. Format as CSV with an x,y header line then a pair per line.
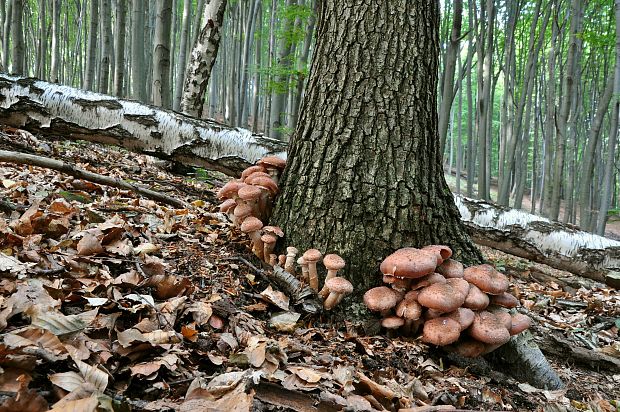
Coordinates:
x,y
91,52
247,46
302,68
471,153
448,75
17,36
138,77
271,57
613,136
6,42
119,59
197,22
55,41
106,49
40,70
161,55
182,61
349,161
202,58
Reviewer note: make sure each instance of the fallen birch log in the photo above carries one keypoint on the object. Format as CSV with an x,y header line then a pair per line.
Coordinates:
x,y
541,240
66,112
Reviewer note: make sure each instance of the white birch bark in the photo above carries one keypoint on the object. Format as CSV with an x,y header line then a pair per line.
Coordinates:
x,y
539,239
63,111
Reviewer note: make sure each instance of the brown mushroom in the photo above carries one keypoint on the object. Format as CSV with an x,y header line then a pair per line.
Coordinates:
x,y
312,256
338,287
249,170
381,299
487,279
252,226
409,263
469,348
250,195
229,190
463,316
459,284
274,165
391,323
443,252
451,268
269,241
441,331
520,322
333,263
304,269
289,265
476,299
441,297
410,310
488,328
505,300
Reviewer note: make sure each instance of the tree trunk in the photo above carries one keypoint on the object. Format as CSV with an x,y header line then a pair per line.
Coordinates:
x,y
366,179
138,77
161,55
91,52
182,62
40,70
538,239
17,36
55,41
202,58
65,112
613,135
448,75
106,43
119,51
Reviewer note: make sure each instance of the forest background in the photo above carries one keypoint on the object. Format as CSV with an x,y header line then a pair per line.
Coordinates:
x,y
528,109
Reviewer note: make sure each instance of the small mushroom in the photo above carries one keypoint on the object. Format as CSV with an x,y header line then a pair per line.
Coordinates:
x,y
252,226
250,195
463,316
281,260
333,263
381,299
441,331
249,170
391,323
505,300
520,322
269,241
476,299
443,252
273,259
451,268
289,264
410,310
488,328
274,165
409,263
441,296
487,279
312,256
469,348
338,287
304,269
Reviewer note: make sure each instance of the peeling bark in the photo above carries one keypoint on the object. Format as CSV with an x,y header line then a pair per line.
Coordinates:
x,y
65,112
540,240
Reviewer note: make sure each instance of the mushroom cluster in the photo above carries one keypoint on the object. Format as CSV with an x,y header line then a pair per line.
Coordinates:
x,y
464,309
248,202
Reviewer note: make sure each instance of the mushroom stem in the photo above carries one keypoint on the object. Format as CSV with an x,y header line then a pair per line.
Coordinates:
x,y
332,300
304,269
257,243
289,265
313,277
273,259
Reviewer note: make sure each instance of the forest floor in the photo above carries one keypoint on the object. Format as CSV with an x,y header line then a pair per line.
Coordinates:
x,y
109,300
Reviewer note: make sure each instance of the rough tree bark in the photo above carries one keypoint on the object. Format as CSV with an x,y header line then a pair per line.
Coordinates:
x,y
63,111
541,240
161,95
202,58
138,76
364,176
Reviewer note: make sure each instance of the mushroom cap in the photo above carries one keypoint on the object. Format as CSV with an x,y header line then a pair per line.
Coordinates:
x,y
463,316
339,285
392,322
249,192
411,295
292,250
459,284
443,252
227,204
487,279
380,298
428,280
409,309
301,261
409,263
274,230
469,348
333,262
230,189
441,296
488,328
441,331
312,255
251,224
451,268
269,238
242,210
505,300
432,314
505,318
273,162
255,175
249,170
266,182
476,299
520,322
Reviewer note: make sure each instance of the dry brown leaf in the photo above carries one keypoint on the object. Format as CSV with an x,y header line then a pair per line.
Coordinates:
x,y
89,404
61,325
89,245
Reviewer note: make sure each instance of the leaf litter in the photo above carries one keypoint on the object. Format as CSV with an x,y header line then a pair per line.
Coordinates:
x,y
109,301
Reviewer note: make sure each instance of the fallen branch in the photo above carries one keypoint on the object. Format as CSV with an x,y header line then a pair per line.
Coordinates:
x,y
538,239
28,159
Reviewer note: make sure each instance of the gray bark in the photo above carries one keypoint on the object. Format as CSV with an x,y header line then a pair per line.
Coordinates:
x,y
119,50
613,135
106,43
91,51
182,63
202,58
55,41
62,111
6,32
138,79
17,36
161,55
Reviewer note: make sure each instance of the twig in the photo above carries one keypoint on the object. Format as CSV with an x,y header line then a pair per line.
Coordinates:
x,y
28,159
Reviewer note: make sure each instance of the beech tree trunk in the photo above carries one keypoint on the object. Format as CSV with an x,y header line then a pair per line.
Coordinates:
x,y
364,176
63,111
161,93
540,240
